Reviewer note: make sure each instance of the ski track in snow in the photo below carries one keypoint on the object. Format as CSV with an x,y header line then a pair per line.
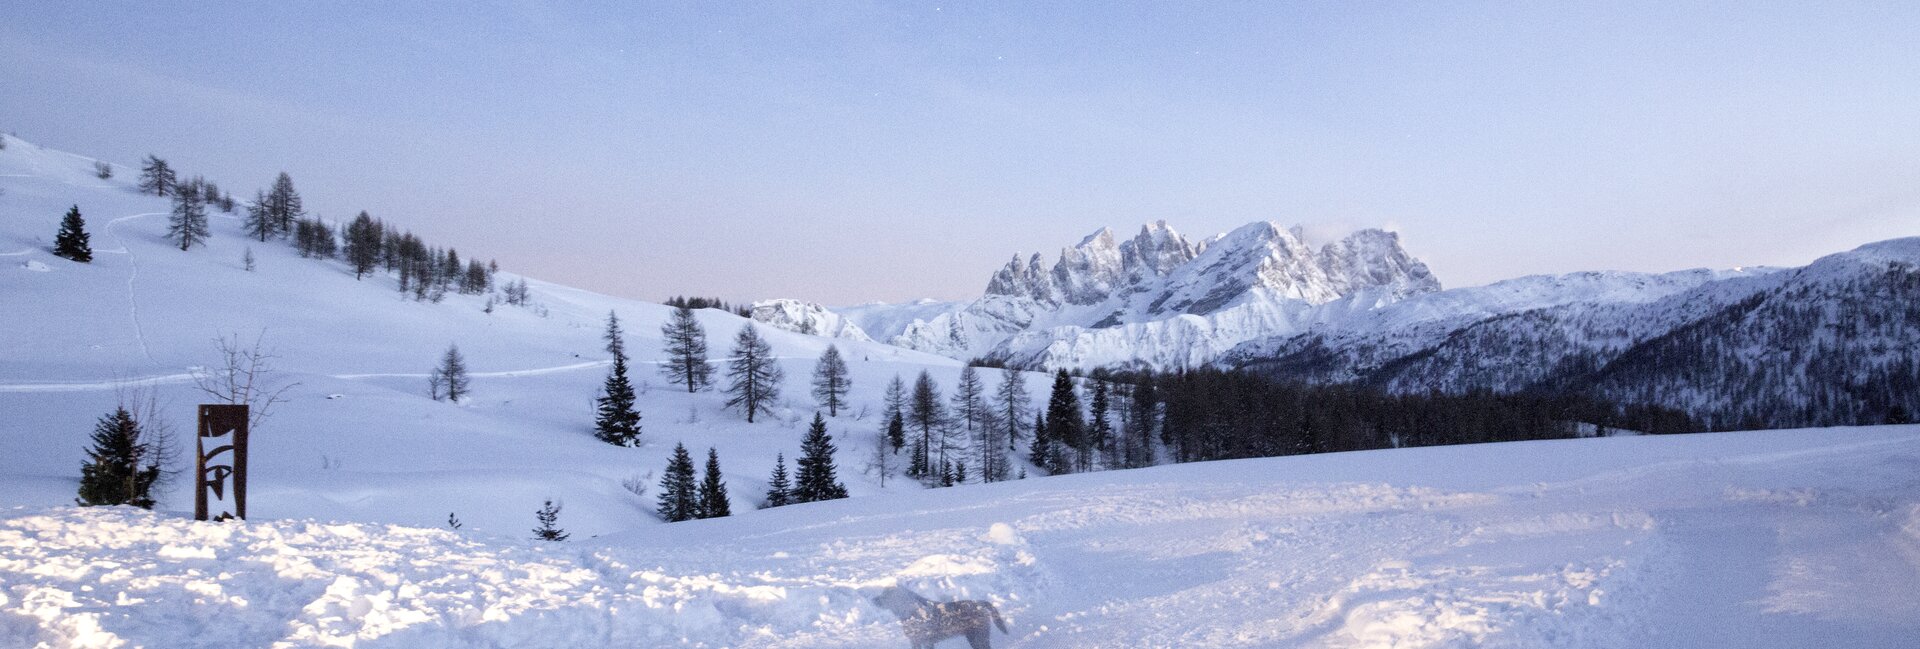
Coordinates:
x,y
133,274
17,253
162,379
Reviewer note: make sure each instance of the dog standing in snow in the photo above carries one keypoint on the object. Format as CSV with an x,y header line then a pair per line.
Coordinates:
x,y
927,622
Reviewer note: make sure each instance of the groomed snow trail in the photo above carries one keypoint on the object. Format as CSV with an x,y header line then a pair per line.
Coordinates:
x,y
1769,539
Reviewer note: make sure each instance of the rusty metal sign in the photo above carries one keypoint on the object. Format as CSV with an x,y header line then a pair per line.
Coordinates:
x,y
220,463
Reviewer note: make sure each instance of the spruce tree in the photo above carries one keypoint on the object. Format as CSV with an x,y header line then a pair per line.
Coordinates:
x,y
1099,430
686,347
830,382
155,176
188,223
122,465
102,170
1138,450
713,491
779,489
753,376
1038,452
72,240
1066,430
816,479
549,528
896,432
618,423
679,495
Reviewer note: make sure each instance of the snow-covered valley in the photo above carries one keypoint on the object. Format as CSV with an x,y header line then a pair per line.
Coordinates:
x,y
1762,539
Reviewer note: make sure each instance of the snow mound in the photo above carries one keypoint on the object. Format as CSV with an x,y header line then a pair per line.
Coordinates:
x,y
36,265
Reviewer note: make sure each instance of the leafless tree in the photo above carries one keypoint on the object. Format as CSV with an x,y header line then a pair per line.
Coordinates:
x,y
243,374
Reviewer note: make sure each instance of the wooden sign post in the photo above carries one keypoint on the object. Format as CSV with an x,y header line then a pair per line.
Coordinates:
x,y
220,463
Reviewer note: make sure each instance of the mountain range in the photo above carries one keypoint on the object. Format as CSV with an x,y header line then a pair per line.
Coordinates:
x,y
1827,344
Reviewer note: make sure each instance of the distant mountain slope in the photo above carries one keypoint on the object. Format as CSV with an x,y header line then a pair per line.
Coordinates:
x,y
1832,343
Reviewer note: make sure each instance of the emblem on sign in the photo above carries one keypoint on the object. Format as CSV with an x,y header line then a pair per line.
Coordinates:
x,y
220,464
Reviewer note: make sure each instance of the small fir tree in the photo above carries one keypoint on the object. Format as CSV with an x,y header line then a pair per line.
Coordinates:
x,y
1066,430
121,467
830,382
246,259
102,170
618,423
713,491
679,494
816,481
549,529
779,489
72,240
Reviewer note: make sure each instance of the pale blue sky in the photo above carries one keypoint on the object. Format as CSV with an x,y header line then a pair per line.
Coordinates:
x,y
847,152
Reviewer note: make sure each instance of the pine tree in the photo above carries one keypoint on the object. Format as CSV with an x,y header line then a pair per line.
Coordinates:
x,y
1099,430
679,497
1142,422
927,415
1065,429
1011,401
896,400
102,170
686,343
450,378
713,492
121,467
156,177
946,473
618,422
1038,453
283,204
779,489
959,473
753,376
896,431
830,381
188,223
72,240
917,460
363,244
549,529
259,221
816,480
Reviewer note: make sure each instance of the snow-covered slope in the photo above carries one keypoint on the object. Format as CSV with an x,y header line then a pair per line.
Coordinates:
x,y
807,318
359,439
1161,300
1835,342
1779,539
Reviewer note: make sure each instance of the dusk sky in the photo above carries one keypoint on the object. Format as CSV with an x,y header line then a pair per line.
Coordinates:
x,y
845,152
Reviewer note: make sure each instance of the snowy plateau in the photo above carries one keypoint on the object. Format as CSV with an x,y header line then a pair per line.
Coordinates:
x,y
1782,538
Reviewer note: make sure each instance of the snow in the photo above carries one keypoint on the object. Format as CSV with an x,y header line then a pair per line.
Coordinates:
x,y
1762,539
1773,539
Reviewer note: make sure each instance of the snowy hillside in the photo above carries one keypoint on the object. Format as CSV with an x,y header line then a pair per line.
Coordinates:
x,y
359,438
1757,540
1832,343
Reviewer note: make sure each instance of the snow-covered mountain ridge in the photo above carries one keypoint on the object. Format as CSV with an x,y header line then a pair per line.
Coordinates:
x,y
1158,298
